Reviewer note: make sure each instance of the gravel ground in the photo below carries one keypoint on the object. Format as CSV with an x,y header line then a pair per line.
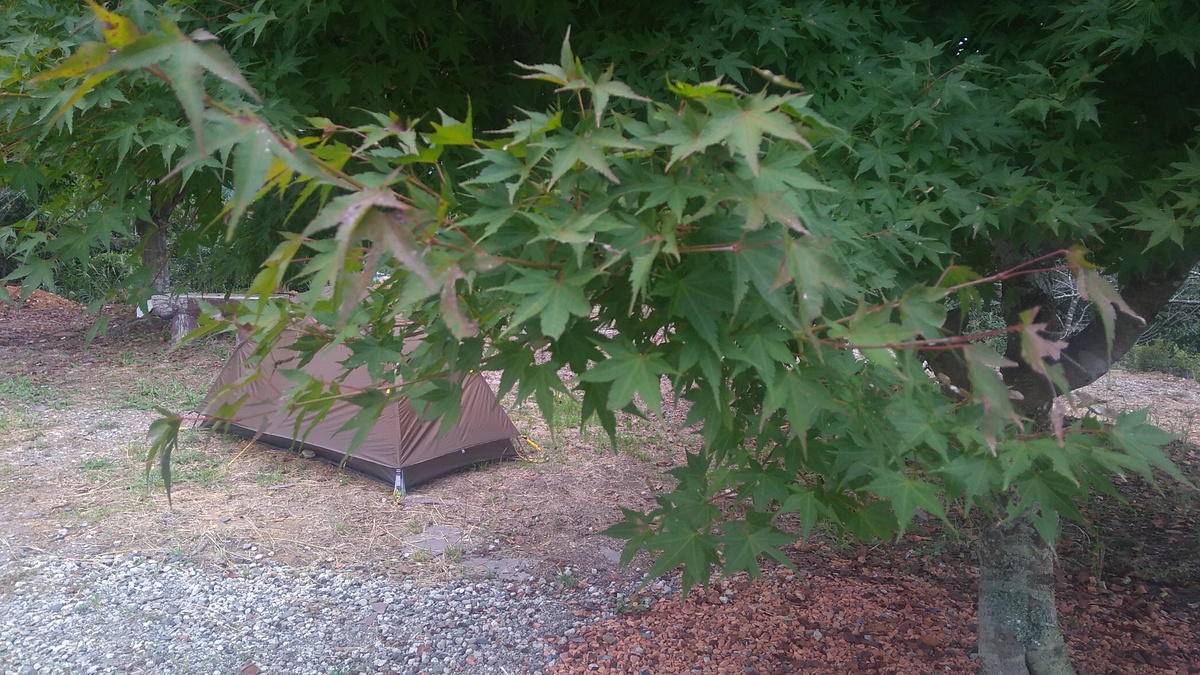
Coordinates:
x,y
133,614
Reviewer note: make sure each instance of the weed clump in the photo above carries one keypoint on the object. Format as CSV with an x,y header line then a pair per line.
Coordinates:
x,y
1163,356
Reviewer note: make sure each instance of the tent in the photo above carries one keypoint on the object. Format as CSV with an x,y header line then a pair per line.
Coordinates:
x,y
401,449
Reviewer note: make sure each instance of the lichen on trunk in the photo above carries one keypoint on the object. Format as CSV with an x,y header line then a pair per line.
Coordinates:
x,y
1018,620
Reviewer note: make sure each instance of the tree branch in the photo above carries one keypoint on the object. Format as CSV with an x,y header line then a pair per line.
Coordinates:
x,y
948,365
1087,356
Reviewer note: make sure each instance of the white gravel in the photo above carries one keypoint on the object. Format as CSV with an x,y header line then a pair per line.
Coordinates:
x,y
133,614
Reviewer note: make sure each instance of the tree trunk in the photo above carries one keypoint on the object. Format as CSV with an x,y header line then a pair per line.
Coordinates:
x,y
156,255
1018,621
156,247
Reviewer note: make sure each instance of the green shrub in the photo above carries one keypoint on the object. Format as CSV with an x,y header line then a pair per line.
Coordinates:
x,y
1162,356
95,278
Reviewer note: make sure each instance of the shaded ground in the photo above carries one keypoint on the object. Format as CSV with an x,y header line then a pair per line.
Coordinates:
x,y
903,609
1128,587
72,430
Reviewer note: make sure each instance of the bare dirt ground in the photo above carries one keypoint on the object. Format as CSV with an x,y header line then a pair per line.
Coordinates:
x,y
73,420
72,484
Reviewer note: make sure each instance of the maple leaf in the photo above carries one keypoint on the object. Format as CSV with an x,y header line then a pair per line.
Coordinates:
x,y
744,541
744,123
1093,287
630,372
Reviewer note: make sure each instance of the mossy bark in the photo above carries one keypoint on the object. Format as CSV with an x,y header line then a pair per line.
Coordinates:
x,y
1018,621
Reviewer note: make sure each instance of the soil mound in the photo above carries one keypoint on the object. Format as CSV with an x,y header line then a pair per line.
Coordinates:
x,y
39,299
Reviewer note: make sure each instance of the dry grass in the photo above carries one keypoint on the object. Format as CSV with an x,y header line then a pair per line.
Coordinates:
x,y
79,468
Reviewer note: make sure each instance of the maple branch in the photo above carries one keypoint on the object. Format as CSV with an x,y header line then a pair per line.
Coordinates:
x,y
1087,356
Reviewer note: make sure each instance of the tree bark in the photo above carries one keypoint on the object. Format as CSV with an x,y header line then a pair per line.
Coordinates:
x,y
1018,620
156,247
156,255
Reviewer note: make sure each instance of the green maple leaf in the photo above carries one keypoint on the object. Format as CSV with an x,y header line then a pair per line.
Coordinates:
x,y
906,494
497,166
437,398
684,135
1144,442
766,348
164,439
588,148
745,540
512,361
36,272
251,161
644,257
765,484
779,171
541,381
636,528
973,476
673,190
24,178
574,227
630,372
594,399
917,424
550,297
877,159
743,123
1017,457
1052,494
778,207
702,298
535,124
810,507
875,519
185,59
761,267
374,354
682,544
816,273
922,312
371,403
988,389
605,87
697,353
451,131
800,397
873,332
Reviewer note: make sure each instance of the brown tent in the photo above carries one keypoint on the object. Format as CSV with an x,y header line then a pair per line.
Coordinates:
x,y
401,449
